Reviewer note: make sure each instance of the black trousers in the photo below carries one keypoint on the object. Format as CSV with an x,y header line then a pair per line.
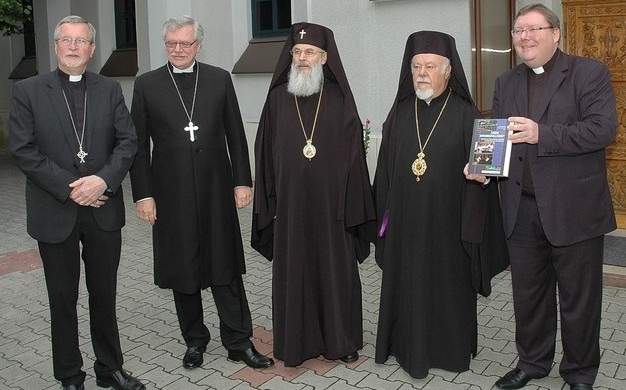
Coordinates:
x,y
233,312
537,268
61,263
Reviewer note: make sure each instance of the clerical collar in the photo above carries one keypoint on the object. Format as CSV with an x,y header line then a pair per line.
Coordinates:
x,y
547,67
186,70
70,77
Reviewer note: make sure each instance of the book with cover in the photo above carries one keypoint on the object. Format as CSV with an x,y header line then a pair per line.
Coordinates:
x,y
490,152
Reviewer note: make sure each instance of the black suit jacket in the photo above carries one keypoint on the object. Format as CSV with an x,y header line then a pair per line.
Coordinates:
x,y
44,146
577,121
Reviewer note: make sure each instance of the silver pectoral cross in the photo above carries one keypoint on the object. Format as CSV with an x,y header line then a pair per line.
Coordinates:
x,y
81,154
191,128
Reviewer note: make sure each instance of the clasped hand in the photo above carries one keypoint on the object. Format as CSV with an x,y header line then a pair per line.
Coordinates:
x,y
89,191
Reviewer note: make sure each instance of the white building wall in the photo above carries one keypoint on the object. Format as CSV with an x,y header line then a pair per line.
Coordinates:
x,y
370,36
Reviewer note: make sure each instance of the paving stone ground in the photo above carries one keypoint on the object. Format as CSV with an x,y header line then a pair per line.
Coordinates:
x,y
152,344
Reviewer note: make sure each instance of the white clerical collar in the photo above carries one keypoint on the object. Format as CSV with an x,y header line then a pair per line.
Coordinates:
x,y
186,70
538,70
76,78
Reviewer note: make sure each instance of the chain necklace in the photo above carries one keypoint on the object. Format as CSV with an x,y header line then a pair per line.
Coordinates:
x,y
81,153
419,165
191,128
309,150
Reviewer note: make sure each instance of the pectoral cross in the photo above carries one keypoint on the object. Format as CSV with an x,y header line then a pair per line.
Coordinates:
x,y
81,154
191,128
302,32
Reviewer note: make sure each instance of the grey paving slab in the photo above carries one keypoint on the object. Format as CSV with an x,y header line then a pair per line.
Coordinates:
x,y
152,344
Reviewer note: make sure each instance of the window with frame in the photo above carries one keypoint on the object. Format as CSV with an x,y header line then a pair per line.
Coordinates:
x,y
125,26
270,18
123,60
28,65
271,21
493,49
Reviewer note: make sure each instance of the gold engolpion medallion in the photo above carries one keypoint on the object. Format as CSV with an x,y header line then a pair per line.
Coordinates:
x,y
309,150
419,166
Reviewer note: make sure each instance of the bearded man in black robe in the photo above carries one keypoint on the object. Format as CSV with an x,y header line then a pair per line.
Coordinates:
x,y
312,201
433,224
198,174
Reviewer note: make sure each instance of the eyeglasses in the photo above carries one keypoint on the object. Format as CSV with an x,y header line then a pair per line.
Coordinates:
x,y
183,45
517,32
67,41
307,52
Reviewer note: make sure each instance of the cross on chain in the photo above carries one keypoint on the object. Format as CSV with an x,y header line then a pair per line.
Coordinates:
x,y
191,128
302,32
82,154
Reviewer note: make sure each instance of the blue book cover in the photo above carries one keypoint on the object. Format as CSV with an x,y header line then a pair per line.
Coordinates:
x,y
490,152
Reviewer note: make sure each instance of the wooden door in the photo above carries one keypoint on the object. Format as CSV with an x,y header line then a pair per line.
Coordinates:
x,y
597,29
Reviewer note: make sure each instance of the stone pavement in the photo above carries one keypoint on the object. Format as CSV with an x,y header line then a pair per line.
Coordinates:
x,y
152,344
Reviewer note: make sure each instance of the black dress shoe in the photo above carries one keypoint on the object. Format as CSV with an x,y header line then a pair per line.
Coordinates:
x,y
580,386
251,357
120,380
194,356
514,379
74,387
353,357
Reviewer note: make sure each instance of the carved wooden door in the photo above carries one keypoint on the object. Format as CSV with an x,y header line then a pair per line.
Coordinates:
x,y
597,29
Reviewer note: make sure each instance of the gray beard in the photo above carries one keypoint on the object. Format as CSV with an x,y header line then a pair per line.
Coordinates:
x,y
424,94
305,84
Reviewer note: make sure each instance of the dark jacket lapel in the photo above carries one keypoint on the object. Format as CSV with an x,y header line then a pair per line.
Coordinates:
x,y
59,105
556,78
521,90
94,100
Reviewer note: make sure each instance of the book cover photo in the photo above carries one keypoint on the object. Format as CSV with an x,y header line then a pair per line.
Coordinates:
x,y
490,152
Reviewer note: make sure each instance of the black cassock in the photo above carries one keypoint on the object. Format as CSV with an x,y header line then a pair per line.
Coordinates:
x,y
317,204
197,239
427,315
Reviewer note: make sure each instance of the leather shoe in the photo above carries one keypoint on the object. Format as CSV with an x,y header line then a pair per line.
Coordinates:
x,y
353,357
514,379
194,356
120,380
580,386
251,357
74,387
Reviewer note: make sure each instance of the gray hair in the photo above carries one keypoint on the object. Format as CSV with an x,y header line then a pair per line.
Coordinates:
x,y
551,17
75,19
177,22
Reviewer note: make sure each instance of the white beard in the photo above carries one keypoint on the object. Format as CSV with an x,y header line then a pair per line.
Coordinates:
x,y
424,94
305,84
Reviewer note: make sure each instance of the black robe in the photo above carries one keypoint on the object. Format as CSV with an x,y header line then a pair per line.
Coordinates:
x,y
196,238
427,315
318,204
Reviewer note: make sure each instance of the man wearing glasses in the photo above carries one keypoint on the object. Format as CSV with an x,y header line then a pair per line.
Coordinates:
x,y
556,203
190,187
312,191
72,136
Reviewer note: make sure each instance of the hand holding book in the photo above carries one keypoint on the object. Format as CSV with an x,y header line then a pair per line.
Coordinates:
x,y
490,151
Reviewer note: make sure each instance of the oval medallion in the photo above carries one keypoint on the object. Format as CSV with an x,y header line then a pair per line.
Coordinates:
x,y
419,167
309,151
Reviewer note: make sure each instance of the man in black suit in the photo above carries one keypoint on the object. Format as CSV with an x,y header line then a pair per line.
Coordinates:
x,y
197,174
71,134
556,203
